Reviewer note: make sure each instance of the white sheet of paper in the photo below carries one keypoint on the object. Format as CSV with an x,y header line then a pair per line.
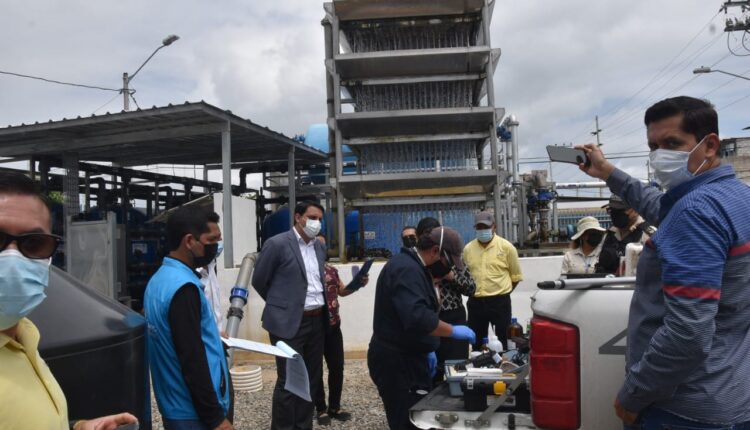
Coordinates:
x,y
263,348
297,380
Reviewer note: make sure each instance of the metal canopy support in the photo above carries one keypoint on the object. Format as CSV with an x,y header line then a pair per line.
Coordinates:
x,y
71,206
331,110
226,170
292,187
491,102
339,168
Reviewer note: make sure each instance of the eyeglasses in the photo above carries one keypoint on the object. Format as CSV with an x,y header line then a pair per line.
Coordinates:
x,y
37,246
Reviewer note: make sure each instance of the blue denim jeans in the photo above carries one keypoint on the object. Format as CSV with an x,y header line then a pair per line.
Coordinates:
x,y
184,425
658,419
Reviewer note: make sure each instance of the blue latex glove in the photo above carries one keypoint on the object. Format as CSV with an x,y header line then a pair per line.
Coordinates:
x,y
462,332
432,364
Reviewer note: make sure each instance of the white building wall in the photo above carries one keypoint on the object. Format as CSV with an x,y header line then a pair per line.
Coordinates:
x,y
357,309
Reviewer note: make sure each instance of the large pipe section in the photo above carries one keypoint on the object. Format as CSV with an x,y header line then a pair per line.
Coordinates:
x,y
511,123
584,284
238,298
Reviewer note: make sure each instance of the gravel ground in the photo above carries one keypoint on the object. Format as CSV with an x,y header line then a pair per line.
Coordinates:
x,y
253,410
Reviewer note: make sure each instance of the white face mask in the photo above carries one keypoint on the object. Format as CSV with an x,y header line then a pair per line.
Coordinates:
x,y
311,228
671,166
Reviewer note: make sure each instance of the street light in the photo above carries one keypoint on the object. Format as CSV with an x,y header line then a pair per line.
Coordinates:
x,y
126,78
704,69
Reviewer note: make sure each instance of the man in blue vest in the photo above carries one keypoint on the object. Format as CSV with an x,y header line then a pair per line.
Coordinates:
x,y
188,365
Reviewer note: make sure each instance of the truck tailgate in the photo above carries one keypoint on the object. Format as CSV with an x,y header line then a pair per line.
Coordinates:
x,y
601,317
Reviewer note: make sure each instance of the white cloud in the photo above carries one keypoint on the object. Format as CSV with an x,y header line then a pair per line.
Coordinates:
x,y
562,63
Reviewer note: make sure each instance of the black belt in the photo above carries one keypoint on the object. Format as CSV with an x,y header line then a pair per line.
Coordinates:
x,y
313,312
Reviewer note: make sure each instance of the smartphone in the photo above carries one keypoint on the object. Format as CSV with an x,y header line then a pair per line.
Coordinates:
x,y
565,154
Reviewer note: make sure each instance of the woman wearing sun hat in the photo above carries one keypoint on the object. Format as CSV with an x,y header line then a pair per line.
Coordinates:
x,y
585,247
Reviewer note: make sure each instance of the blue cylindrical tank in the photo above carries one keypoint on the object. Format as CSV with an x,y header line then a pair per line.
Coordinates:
x,y
351,229
277,222
317,137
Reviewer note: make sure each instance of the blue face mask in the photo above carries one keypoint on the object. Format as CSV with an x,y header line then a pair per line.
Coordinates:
x,y
220,249
484,235
22,285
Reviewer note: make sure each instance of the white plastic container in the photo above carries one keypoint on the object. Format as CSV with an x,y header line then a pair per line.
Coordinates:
x,y
247,378
494,343
632,254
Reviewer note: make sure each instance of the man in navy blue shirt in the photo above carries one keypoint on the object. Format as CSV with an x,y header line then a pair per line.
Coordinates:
x,y
688,343
406,328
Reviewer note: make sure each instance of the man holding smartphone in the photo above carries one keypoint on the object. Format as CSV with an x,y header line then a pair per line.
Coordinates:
x,y
686,355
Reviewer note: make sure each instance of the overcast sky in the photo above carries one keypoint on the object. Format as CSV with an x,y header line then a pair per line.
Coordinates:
x,y
562,63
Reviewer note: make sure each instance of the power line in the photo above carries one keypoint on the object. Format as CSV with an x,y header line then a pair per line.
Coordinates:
x,y
729,45
725,84
649,99
682,66
734,102
58,82
663,69
105,104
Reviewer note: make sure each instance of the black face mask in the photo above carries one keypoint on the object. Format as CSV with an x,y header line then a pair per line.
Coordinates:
x,y
620,218
438,269
409,241
594,238
209,253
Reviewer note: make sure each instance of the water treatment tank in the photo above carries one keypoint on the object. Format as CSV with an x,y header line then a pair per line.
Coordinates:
x,y
96,348
277,222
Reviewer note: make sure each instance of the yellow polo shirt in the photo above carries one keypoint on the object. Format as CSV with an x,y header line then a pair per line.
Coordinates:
x,y
30,397
494,267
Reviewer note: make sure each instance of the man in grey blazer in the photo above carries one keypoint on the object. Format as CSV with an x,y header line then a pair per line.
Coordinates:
x,y
289,276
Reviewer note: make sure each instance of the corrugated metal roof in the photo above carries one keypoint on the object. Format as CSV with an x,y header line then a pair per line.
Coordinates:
x,y
189,133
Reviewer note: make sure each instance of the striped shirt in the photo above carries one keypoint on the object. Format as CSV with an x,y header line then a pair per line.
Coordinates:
x,y
689,324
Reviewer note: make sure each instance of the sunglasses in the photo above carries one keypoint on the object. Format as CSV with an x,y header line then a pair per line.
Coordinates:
x,y
37,246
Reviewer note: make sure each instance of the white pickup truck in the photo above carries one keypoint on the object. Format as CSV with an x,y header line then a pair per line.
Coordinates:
x,y
577,365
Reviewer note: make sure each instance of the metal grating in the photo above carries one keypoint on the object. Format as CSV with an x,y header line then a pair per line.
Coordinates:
x,y
401,34
419,157
383,224
418,95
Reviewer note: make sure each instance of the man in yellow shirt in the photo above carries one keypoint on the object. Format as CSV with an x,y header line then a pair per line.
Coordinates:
x,y
30,397
493,262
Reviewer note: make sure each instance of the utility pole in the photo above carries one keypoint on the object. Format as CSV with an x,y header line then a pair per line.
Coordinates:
x,y
597,132
125,92
126,78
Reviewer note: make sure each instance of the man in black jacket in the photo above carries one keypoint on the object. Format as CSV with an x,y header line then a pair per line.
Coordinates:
x,y
406,327
627,227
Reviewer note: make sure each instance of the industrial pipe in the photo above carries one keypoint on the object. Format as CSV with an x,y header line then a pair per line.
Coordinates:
x,y
582,185
238,298
101,190
243,178
583,284
168,197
